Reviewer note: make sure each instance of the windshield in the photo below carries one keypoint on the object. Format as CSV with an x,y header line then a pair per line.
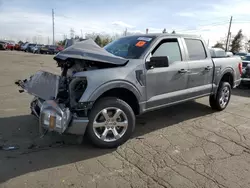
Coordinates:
x,y
246,58
131,47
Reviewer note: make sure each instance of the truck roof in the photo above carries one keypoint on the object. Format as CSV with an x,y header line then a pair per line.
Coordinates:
x,y
165,34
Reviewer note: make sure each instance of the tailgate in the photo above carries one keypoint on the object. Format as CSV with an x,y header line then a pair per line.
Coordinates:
x,y
42,84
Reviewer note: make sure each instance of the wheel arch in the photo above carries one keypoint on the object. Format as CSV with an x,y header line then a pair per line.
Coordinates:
x,y
122,90
227,76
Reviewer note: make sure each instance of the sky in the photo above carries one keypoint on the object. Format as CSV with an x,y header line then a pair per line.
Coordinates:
x,y
32,19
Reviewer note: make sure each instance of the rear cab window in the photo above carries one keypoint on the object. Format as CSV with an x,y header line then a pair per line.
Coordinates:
x,y
196,49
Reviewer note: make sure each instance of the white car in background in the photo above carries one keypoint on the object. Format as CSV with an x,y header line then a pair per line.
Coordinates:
x,y
229,54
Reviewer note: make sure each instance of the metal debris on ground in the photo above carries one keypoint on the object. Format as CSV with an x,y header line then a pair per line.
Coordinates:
x,y
8,148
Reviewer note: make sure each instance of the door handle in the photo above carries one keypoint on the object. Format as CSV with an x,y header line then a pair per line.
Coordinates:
x,y
182,71
208,68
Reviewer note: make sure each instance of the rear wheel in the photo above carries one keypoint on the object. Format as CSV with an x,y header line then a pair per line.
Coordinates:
x,y
112,122
221,99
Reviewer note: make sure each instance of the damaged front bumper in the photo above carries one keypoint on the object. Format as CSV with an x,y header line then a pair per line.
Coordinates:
x,y
51,115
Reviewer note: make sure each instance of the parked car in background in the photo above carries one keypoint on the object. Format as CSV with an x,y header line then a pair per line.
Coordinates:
x,y
229,54
3,45
10,45
44,49
36,49
241,54
17,47
52,49
245,78
24,46
29,47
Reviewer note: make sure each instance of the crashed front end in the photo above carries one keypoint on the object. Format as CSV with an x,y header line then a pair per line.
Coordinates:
x,y
56,101
51,104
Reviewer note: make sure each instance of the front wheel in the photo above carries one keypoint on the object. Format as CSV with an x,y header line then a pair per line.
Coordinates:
x,y
221,99
111,122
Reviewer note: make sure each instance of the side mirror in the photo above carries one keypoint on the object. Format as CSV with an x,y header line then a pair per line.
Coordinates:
x,y
158,61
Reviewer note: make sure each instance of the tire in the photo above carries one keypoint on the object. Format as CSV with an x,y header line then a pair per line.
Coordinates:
x,y
126,121
221,100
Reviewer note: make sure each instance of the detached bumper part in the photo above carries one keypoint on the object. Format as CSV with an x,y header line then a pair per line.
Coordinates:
x,y
53,117
50,116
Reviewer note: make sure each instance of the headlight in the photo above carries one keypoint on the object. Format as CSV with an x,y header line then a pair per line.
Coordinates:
x,y
54,118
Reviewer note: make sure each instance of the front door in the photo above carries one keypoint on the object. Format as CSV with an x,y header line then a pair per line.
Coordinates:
x,y
201,67
167,85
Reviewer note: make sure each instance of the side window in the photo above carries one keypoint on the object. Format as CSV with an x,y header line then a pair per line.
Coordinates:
x,y
169,48
195,49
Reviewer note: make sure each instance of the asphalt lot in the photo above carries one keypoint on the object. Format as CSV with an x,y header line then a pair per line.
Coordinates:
x,y
187,145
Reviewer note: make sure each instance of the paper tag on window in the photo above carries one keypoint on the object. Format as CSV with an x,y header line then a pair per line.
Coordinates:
x,y
145,39
140,43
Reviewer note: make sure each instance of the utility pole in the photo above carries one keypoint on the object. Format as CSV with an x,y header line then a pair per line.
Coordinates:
x,y
208,42
72,33
229,38
229,28
53,25
125,32
81,34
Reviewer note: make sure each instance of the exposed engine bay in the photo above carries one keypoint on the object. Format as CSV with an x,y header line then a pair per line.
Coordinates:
x,y
70,89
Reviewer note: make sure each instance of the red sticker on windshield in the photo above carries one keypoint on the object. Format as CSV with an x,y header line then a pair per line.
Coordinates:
x,y
140,43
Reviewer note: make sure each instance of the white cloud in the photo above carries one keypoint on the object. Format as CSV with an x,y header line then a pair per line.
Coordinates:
x,y
155,30
232,7
185,14
212,24
122,24
22,25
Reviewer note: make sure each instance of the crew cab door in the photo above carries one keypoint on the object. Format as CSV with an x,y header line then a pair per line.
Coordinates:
x,y
201,66
165,85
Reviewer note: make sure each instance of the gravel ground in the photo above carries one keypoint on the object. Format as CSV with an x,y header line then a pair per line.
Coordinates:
x,y
187,145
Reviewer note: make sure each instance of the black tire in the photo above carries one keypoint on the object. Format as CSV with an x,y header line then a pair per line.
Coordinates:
x,y
214,100
106,103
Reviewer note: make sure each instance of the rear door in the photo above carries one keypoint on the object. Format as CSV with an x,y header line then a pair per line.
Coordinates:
x,y
166,85
200,77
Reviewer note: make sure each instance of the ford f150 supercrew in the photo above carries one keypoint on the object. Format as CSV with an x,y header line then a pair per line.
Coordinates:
x,y
101,90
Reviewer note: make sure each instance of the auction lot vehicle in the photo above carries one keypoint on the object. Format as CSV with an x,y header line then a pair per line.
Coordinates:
x,y
10,45
3,45
245,78
36,49
24,46
101,90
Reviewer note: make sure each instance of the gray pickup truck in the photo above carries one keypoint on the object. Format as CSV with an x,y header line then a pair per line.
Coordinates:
x,y
101,90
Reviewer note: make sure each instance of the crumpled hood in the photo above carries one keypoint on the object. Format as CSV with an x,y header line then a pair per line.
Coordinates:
x,y
89,50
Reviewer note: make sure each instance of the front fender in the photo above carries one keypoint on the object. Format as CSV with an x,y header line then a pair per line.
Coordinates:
x,y
111,85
